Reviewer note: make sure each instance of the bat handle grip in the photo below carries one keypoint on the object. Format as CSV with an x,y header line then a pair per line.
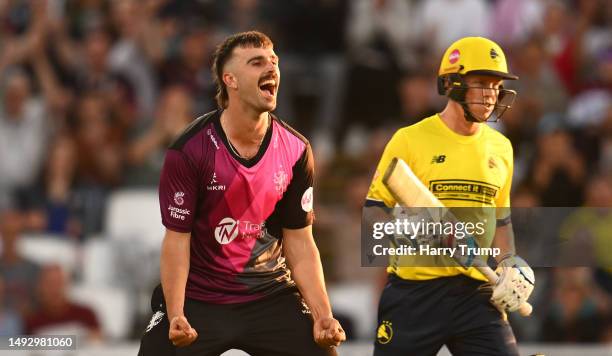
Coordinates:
x,y
525,309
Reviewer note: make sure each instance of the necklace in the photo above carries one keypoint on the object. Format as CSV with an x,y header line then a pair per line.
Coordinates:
x,y
235,151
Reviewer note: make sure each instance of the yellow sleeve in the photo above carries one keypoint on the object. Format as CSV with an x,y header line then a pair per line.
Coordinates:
x,y
395,148
502,202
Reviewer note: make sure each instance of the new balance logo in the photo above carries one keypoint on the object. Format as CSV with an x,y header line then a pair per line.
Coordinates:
x,y
438,159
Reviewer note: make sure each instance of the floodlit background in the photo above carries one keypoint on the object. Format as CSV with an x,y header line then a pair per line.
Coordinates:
x,y
92,91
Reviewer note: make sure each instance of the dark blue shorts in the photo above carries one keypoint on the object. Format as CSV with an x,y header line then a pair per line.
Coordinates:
x,y
416,318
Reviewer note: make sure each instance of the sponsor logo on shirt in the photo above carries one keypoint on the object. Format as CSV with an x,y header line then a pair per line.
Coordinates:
x,y
229,229
178,213
462,189
212,138
226,231
214,184
178,198
438,159
307,200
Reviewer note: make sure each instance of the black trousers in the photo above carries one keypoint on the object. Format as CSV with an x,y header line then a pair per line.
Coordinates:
x,y
277,325
416,318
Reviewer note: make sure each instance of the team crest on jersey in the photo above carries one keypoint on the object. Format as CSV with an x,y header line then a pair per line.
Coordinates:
x,y
384,333
178,198
280,181
492,163
307,200
156,319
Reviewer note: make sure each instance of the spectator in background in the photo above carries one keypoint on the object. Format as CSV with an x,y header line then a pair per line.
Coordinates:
x,y
190,67
557,168
383,40
54,208
97,141
577,312
309,39
128,55
418,97
445,21
56,313
338,230
540,87
18,273
22,134
605,130
145,155
10,320
99,159
586,233
513,21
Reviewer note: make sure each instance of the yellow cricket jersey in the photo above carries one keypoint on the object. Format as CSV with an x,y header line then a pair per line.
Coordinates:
x,y
462,171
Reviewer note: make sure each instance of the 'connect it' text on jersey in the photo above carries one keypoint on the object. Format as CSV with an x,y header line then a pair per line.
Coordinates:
x,y
235,209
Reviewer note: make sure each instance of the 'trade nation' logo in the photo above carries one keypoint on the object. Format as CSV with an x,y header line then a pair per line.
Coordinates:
x,y
226,231
384,333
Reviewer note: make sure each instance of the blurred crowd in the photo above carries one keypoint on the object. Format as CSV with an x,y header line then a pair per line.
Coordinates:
x,y
92,91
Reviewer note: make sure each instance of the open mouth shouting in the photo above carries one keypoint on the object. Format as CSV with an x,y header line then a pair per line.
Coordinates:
x,y
268,87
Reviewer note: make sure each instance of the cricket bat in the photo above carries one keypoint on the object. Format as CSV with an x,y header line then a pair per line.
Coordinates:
x,y
409,191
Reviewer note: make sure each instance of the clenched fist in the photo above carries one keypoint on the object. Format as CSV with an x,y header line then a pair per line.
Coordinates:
x,y
181,333
328,332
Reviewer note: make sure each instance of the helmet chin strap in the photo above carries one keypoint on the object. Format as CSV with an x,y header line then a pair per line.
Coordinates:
x,y
467,114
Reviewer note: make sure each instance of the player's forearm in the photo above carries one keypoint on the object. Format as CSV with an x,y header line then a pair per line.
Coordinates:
x,y
504,240
307,273
174,269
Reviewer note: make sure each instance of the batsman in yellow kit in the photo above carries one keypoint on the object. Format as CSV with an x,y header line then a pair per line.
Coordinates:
x,y
464,163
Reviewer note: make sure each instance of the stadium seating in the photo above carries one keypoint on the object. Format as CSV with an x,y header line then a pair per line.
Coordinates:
x,y
50,249
112,306
133,214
